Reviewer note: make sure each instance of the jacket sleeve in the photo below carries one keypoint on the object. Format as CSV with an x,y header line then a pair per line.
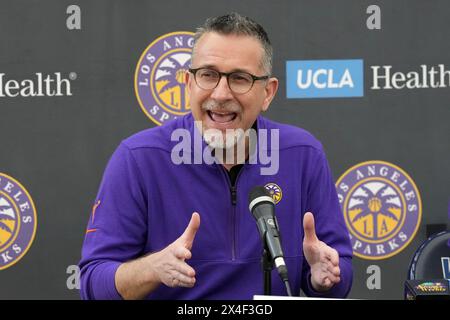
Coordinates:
x,y
330,227
117,228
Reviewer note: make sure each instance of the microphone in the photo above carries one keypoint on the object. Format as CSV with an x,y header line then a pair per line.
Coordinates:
x,y
262,207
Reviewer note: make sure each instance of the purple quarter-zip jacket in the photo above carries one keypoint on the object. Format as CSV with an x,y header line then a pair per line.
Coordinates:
x,y
145,202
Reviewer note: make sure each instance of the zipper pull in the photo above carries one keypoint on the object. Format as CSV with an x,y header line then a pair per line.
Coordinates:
x,y
233,195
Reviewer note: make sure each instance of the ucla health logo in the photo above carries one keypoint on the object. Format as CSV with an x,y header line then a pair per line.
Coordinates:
x,y
382,208
160,77
325,78
17,221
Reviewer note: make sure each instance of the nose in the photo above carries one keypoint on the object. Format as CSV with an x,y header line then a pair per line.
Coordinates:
x,y
222,92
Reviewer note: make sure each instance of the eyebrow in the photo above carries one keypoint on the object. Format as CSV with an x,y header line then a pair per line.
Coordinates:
x,y
211,66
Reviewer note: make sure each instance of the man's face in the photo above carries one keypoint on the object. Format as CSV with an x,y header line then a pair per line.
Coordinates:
x,y
221,108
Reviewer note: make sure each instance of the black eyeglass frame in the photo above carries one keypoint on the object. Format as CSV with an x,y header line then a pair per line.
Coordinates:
x,y
227,75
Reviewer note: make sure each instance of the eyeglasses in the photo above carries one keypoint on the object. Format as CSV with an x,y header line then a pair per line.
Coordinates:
x,y
239,82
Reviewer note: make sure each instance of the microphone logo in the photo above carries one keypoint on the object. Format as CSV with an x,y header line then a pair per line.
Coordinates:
x,y
274,191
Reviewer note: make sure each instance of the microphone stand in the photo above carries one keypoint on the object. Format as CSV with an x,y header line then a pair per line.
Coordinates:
x,y
267,266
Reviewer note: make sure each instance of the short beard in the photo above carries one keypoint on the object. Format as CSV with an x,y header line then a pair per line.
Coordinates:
x,y
229,138
218,139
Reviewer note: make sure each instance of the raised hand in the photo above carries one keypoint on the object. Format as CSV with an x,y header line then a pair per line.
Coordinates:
x,y
136,279
169,264
323,260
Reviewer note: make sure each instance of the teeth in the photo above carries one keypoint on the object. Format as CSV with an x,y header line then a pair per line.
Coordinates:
x,y
222,117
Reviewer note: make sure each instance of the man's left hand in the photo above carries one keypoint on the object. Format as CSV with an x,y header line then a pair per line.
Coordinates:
x,y
323,260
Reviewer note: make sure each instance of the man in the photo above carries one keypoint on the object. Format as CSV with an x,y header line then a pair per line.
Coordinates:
x,y
145,238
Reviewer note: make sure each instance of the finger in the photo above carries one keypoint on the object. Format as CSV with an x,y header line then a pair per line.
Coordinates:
x,y
335,271
175,279
189,234
326,282
187,285
175,282
170,279
333,279
182,279
308,227
182,253
185,269
333,256
327,273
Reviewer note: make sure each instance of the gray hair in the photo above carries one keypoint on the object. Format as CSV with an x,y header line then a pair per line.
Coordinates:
x,y
235,24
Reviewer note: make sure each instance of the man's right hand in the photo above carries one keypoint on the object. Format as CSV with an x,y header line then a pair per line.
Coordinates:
x,y
169,264
138,278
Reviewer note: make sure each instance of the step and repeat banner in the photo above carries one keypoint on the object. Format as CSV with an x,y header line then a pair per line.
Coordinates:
x,y
370,79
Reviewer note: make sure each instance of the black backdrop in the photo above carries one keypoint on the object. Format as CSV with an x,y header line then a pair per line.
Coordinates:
x,y
57,146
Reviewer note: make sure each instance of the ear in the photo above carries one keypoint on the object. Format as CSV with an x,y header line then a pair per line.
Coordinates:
x,y
188,79
270,91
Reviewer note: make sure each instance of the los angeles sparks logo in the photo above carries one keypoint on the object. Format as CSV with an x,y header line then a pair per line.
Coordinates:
x,y
17,221
274,191
382,208
160,77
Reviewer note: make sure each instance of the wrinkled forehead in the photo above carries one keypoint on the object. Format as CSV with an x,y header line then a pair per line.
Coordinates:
x,y
228,52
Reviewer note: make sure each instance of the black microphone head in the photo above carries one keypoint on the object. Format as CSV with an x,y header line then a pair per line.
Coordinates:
x,y
258,195
257,191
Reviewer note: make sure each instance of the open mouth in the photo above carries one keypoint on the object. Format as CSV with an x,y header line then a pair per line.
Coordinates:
x,y
222,117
